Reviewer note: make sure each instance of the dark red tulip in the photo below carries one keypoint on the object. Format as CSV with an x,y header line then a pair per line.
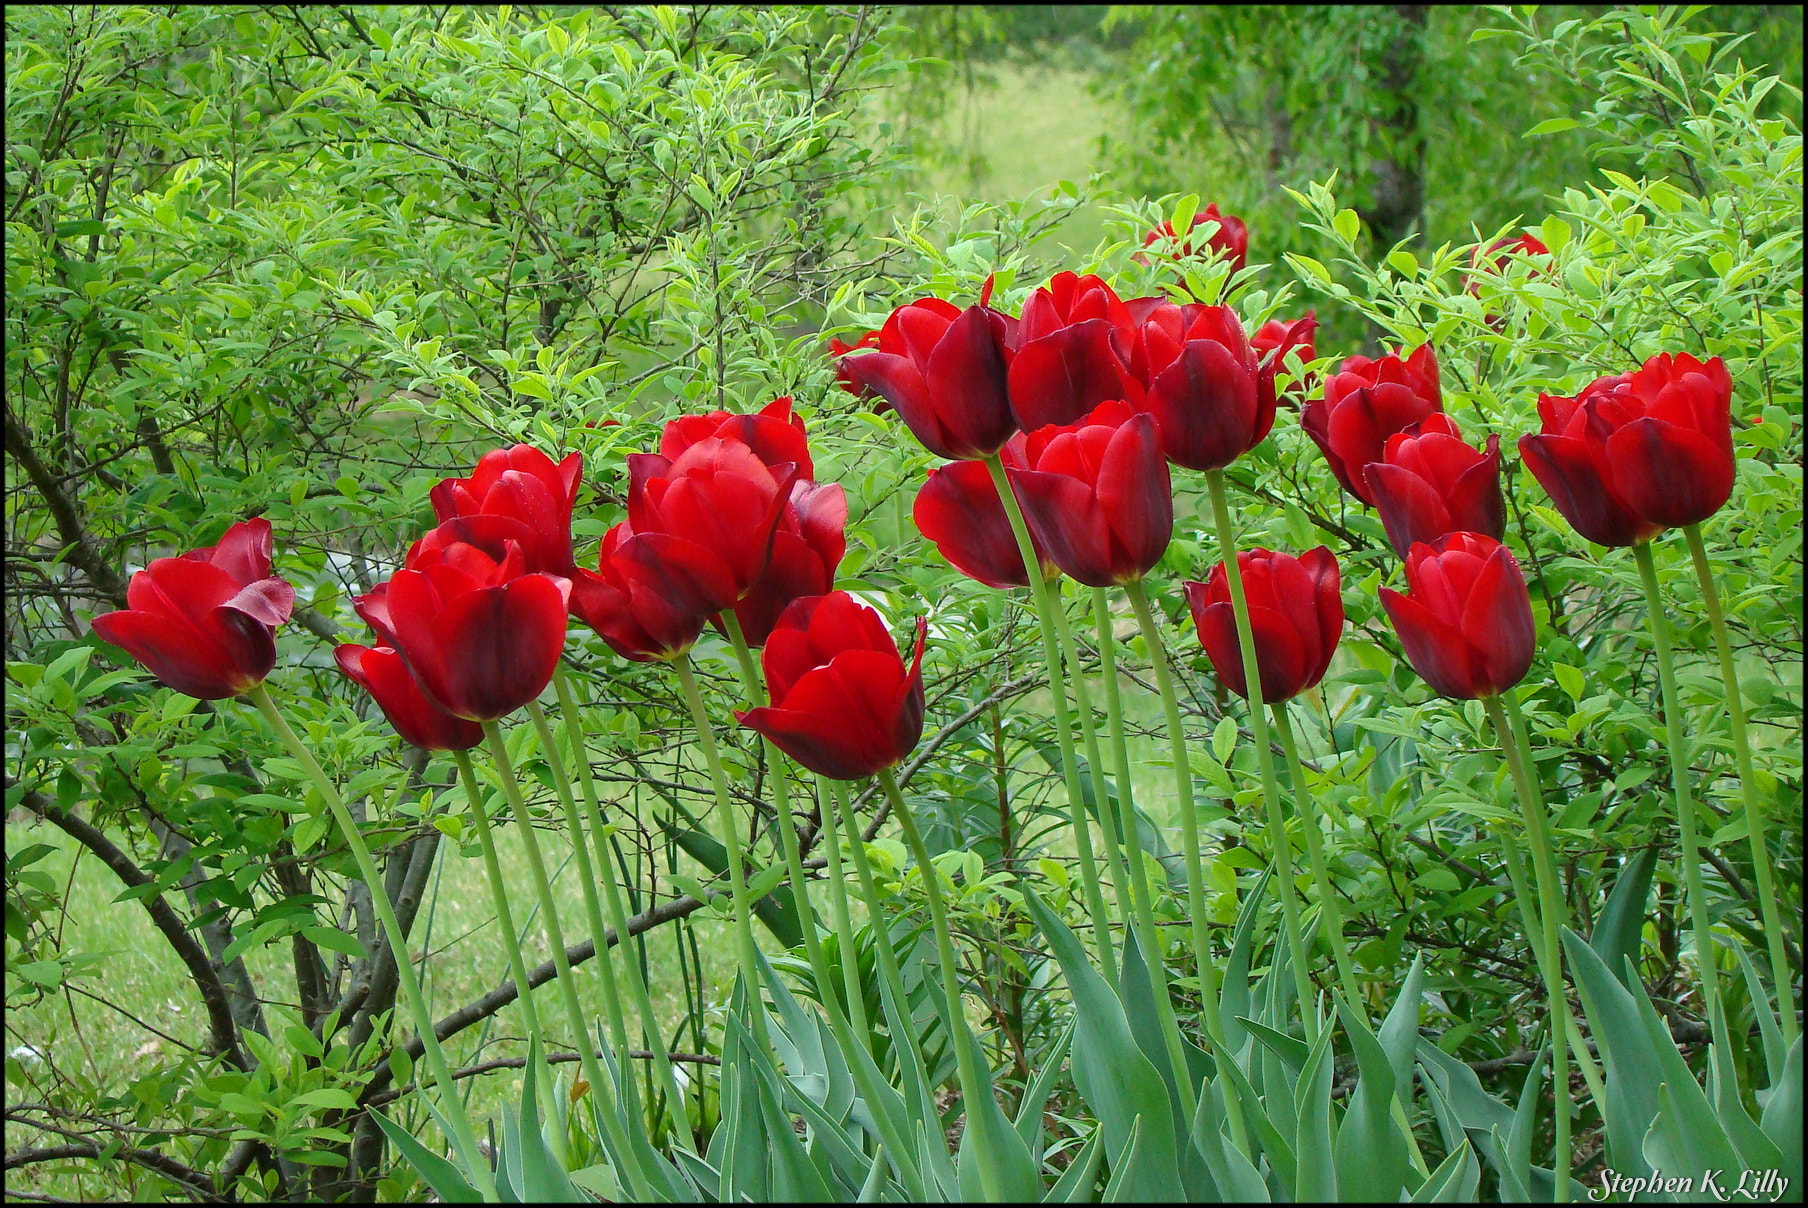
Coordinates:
x,y
651,593
775,434
522,483
944,369
1196,374
1071,343
959,510
847,381
1431,483
1639,453
1466,620
1096,495
205,623
1366,402
1272,343
1295,611
716,494
481,635
384,674
1495,258
1230,239
843,703
806,550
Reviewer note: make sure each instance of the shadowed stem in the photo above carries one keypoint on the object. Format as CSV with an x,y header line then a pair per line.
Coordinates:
x,y
606,1107
1748,785
1258,731
1509,728
486,840
838,910
452,1108
1705,963
972,1086
1057,691
731,842
618,915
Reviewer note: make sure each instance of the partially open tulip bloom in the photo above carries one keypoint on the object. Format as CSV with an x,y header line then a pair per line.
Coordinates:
x,y
651,593
1432,483
1071,342
384,674
959,510
717,494
944,370
775,433
1295,611
1096,495
1230,239
205,623
843,703
1636,454
1198,378
806,550
526,485
1466,618
1365,403
481,634
1272,343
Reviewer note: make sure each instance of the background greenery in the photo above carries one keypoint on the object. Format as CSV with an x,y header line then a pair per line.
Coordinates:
x,y
302,263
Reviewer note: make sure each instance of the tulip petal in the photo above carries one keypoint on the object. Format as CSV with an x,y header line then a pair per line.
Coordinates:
x,y
1135,496
1435,648
244,551
966,383
1669,476
1205,406
211,661
1065,520
1411,508
492,650
958,509
1497,623
1563,467
1061,376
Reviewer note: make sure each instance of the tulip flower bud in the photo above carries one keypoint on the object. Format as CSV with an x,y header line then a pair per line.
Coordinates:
x,y
1069,357
1191,367
1366,402
1466,619
1272,343
1231,239
205,623
1430,483
1636,454
1295,610
521,483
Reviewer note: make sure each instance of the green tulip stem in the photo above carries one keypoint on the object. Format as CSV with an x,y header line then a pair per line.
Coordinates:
x,y
1748,784
1706,964
618,915
1509,728
452,1108
492,867
838,911
605,1105
731,841
1089,735
972,1084
1057,690
1258,730
1329,912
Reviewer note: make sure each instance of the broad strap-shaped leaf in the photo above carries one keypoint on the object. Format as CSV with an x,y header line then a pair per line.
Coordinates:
x,y
1454,1181
1622,920
1782,1119
1371,1153
435,1171
1316,1173
1631,1067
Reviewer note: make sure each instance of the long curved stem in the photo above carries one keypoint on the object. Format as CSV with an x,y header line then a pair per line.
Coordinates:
x,y
1329,911
607,1108
1705,962
1748,785
838,910
618,915
1057,690
731,841
1509,727
452,1108
505,914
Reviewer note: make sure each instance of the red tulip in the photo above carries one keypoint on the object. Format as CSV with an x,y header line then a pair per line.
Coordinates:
x,y
806,550
1271,344
1639,453
1466,620
1096,495
1230,239
944,369
775,434
205,623
959,510
1197,376
481,635
522,483
1431,483
1497,255
1295,610
716,494
1068,357
1366,402
843,704
651,593
847,381
384,674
